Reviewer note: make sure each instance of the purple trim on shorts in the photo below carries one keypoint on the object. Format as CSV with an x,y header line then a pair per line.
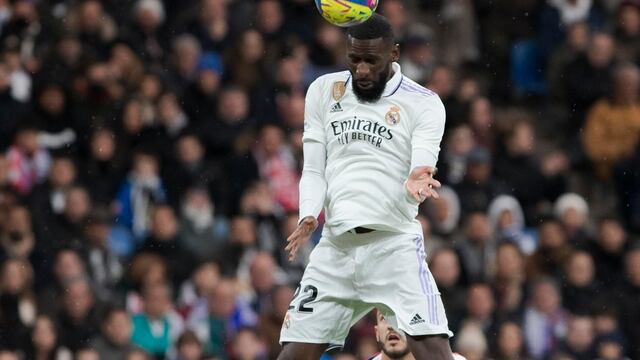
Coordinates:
x,y
426,286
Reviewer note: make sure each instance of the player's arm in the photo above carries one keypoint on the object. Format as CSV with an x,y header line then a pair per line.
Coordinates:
x,y
425,147
313,186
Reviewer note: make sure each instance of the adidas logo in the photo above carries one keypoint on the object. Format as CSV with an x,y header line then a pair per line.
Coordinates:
x,y
417,319
336,108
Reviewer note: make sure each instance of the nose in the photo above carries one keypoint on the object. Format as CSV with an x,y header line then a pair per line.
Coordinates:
x,y
362,70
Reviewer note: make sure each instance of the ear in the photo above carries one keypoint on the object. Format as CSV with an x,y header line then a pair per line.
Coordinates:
x,y
395,52
377,334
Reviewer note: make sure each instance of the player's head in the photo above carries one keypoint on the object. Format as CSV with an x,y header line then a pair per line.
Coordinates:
x,y
370,52
391,343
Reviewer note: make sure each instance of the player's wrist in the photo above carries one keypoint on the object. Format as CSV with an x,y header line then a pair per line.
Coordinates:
x,y
307,218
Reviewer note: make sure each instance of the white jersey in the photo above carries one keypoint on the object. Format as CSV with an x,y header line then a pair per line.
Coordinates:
x,y
371,149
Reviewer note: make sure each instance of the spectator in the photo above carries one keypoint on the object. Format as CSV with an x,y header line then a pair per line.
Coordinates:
x,y
248,346
18,239
189,347
232,119
271,320
114,341
476,248
240,246
158,326
610,347
67,267
202,232
445,268
609,250
581,294
12,110
510,343
444,212
277,166
44,343
545,320
67,227
146,31
520,171
105,165
509,280
588,78
578,343
86,354
553,250
195,291
471,342
612,128
477,188
507,222
630,309
17,302
212,28
103,263
94,28
164,240
192,169
201,95
573,212
575,45
47,199
628,31
217,324
480,306
28,162
142,189
78,317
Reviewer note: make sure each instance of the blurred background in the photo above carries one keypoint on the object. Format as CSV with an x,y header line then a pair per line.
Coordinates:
x,y
150,153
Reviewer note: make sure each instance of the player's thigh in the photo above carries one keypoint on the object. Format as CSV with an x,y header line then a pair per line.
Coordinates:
x,y
302,351
398,279
322,308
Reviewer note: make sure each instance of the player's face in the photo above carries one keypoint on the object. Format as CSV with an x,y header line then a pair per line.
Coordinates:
x,y
391,343
370,64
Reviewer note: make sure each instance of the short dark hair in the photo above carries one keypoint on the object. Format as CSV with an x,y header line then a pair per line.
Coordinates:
x,y
377,26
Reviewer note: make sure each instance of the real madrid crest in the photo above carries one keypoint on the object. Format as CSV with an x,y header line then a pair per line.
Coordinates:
x,y
393,116
339,88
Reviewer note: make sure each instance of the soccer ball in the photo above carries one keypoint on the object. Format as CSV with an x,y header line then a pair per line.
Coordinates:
x,y
346,12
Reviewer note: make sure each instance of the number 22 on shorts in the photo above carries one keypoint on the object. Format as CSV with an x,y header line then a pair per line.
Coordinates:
x,y
309,294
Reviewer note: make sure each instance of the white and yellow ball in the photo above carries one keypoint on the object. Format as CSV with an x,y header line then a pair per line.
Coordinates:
x,y
346,12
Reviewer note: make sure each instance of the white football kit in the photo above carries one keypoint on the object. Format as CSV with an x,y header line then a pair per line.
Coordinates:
x,y
357,159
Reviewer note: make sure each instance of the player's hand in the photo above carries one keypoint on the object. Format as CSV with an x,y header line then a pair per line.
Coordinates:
x,y
421,184
300,236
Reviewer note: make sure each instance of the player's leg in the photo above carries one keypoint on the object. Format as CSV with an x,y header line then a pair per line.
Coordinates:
x,y
321,311
399,281
432,347
302,351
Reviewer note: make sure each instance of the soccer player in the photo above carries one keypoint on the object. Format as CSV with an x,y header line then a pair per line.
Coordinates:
x,y
371,142
392,344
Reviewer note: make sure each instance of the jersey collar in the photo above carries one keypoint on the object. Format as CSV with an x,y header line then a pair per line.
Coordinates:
x,y
392,84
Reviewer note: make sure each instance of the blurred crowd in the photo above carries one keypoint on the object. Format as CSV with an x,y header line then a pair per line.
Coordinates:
x,y
150,152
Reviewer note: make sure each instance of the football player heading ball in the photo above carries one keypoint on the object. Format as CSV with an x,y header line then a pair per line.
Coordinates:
x,y
371,143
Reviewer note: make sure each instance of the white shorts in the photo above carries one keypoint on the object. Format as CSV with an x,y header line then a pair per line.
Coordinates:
x,y
351,274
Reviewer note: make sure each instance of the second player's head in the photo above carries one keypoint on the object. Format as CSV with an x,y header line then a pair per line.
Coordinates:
x,y
392,344
370,52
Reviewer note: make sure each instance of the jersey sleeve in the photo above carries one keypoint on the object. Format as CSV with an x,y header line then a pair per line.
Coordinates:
x,y
313,124
427,133
313,186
